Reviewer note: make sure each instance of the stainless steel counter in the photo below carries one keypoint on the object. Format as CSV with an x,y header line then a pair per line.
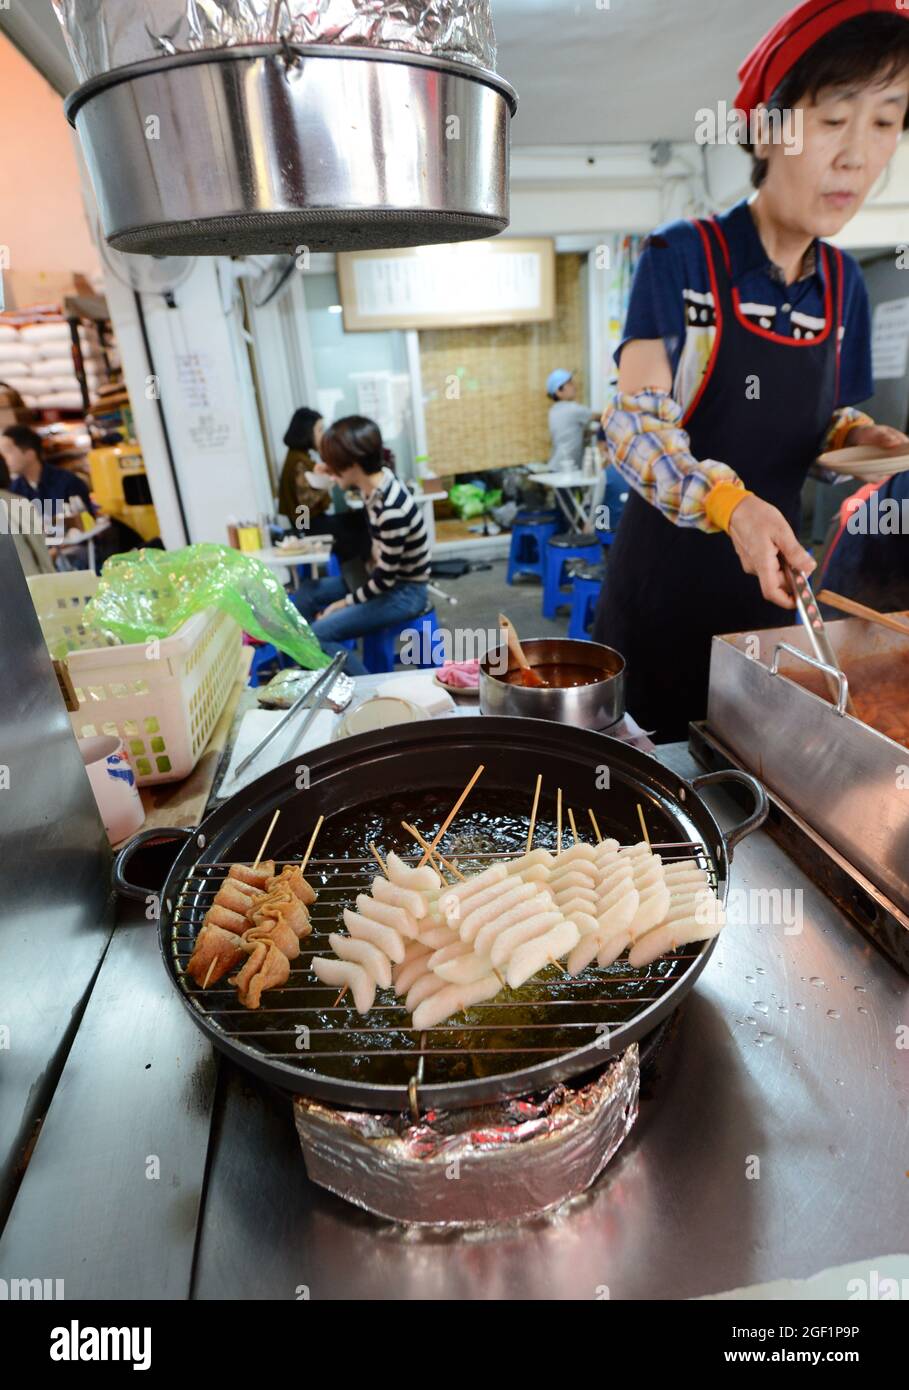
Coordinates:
x,y
771,1142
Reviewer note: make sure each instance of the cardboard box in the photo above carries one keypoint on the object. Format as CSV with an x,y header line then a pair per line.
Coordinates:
x,y
24,288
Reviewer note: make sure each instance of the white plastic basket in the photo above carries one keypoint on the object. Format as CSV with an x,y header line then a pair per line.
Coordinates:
x,y
163,699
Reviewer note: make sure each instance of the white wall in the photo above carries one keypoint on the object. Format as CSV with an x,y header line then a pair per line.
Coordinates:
x,y
207,398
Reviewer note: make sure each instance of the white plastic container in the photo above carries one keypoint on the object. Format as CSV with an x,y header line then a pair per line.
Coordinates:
x,y
162,698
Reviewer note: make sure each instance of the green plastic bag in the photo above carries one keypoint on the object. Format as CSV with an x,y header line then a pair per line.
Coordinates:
x,y
469,500
149,593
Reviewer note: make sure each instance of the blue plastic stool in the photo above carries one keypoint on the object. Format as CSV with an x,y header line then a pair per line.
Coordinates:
x,y
573,545
529,538
333,568
584,594
379,648
264,655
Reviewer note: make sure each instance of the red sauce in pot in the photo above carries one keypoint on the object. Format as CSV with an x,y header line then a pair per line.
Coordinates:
x,y
560,675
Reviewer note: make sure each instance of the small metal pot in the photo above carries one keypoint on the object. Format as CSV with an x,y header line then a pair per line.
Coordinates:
x,y
595,706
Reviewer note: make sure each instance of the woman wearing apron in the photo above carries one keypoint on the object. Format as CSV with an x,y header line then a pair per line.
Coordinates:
x,y
747,345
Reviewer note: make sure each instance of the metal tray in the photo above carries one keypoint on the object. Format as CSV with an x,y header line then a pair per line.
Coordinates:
x,y
847,780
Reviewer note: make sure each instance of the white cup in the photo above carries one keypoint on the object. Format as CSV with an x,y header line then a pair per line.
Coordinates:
x,y
114,785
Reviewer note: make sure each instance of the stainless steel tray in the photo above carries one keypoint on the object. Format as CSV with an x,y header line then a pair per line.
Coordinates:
x,y
847,780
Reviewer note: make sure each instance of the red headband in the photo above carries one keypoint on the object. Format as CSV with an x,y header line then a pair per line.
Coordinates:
x,y
780,49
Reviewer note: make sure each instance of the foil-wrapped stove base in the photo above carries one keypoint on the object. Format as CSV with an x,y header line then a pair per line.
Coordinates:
x,y
490,1163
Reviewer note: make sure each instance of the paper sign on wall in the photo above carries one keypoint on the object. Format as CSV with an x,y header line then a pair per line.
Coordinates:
x,y
210,428
890,340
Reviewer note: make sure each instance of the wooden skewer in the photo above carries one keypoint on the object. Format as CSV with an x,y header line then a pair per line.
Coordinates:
x,y
553,961
643,826
267,837
378,858
452,813
596,828
340,997
440,858
574,828
312,841
860,610
558,820
211,967
533,811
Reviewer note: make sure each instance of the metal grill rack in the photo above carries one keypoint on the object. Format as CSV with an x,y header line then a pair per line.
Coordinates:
x,y
304,1030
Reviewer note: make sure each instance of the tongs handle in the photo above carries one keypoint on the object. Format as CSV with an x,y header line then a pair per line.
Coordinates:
x,y
810,614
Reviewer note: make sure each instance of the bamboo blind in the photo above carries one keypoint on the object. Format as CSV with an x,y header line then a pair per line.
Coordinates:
x,y
485,388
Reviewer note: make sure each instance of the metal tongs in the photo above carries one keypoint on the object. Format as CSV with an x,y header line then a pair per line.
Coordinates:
x,y
810,614
318,693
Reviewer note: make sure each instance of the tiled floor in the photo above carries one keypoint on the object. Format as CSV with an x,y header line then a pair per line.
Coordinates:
x,y
483,595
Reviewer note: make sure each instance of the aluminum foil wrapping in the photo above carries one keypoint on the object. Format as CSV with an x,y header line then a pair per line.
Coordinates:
x,y
105,34
496,1162
284,689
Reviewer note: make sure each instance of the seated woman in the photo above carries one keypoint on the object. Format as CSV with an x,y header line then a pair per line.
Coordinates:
x,y
315,511
299,502
398,571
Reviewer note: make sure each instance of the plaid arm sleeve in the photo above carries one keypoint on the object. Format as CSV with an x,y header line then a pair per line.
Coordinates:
x,y
652,453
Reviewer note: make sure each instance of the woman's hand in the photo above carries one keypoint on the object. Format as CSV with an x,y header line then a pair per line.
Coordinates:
x,y
877,437
760,534
332,608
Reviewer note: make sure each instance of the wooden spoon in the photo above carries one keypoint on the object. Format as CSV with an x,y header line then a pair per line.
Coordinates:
x,y
528,675
860,610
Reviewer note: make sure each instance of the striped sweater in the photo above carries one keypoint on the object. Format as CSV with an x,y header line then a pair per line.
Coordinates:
x,y
400,545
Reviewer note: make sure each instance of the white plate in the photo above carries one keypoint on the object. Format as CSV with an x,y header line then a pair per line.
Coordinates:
x,y
379,712
866,461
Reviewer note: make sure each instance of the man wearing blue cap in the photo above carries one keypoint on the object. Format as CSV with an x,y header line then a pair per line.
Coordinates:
x,y
568,420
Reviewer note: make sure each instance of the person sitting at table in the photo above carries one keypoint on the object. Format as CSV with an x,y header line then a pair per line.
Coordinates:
x,y
298,500
568,420
33,477
19,519
320,510
398,571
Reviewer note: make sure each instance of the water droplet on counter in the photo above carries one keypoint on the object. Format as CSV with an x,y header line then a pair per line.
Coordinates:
x,y
833,1013
761,970
766,1037
761,1007
851,1114
839,1082
817,982
875,1067
860,989
751,980
782,1008
799,1006
862,1009
753,1021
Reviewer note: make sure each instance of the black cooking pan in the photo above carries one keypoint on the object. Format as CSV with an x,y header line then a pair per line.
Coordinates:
x,y
555,1028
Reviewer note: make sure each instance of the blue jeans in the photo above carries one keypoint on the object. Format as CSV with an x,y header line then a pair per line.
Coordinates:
x,y
357,619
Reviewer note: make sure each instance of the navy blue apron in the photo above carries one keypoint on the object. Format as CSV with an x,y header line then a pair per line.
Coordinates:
x,y
669,589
